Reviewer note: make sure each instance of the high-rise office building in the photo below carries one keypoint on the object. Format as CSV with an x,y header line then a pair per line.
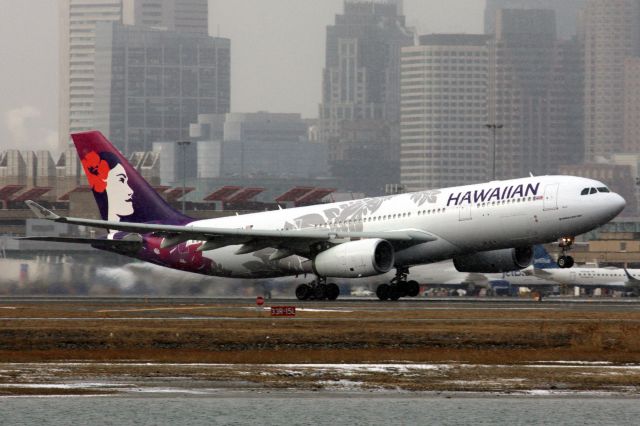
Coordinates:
x,y
632,105
535,93
189,16
265,127
78,19
567,13
444,111
361,83
152,84
612,34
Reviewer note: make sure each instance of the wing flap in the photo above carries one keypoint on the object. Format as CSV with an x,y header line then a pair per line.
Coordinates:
x,y
120,246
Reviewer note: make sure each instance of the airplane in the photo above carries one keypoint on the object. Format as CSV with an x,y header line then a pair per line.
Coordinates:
x,y
621,279
484,228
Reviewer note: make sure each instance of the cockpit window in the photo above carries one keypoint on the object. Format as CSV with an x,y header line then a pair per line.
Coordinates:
x,y
603,189
585,191
593,191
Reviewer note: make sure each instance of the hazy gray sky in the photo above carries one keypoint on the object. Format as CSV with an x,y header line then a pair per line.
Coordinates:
x,y
277,49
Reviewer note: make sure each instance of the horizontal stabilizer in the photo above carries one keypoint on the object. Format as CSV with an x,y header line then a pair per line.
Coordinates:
x,y
41,212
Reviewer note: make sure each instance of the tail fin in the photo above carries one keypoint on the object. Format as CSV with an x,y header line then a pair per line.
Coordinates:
x,y
542,259
120,191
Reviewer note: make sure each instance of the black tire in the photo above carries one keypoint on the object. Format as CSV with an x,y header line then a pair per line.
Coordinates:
x,y
332,291
413,288
570,262
383,291
401,288
395,293
303,291
562,261
320,292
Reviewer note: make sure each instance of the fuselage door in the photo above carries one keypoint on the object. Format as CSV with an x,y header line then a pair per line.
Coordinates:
x,y
465,212
550,201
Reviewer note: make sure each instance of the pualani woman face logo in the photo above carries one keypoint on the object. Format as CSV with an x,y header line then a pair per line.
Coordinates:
x,y
107,176
119,193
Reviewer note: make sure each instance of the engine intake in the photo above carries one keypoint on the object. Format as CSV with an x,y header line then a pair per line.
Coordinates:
x,y
362,258
503,260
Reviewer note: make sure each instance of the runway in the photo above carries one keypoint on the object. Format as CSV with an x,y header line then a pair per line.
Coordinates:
x,y
169,307
460,344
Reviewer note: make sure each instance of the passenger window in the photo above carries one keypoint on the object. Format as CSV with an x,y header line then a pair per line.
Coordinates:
x,y
593,191
585,191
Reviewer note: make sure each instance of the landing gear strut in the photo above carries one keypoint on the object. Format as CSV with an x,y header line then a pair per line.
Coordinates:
x,y
565,261
398,287
318,290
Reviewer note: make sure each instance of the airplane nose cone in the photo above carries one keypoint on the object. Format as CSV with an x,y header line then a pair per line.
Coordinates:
x,y
618,203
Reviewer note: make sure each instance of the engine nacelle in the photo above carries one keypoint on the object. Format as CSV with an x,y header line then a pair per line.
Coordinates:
x,y
362,258
504,260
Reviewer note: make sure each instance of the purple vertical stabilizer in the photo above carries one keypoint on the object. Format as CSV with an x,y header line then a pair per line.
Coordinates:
x,y
120,192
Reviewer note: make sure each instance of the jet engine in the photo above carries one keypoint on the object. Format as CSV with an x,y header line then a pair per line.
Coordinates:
x,y
503,260
362,258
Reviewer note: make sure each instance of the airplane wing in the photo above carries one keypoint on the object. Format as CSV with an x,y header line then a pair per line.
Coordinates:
x,y
294,241
125,246
476,278
540,273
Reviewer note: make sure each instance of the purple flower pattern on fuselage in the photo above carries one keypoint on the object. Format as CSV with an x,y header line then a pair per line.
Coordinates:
x,y
344,217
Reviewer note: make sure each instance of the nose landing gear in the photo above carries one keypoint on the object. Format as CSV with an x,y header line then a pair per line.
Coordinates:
x,y
565,261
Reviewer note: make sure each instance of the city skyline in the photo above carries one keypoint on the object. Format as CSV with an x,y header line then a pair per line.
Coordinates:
x,y
262,62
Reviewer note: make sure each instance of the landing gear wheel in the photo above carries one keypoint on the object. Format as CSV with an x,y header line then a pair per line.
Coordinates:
x,y
320,292
565,261
394,293
562,261
413,288
383,291
332,291
303,292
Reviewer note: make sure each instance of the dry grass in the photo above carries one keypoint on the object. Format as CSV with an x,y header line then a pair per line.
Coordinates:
x,y
374,335
480,349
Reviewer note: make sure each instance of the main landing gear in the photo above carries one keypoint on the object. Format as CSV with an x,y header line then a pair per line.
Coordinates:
x,y
398,287
318,290
565,261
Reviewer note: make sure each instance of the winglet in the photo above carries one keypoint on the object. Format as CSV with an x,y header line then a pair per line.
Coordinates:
x,y
41,212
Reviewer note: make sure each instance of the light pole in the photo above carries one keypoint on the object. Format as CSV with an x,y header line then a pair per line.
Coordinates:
x,y
494,127
184,145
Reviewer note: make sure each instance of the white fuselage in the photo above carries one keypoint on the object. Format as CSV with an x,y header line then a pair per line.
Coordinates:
x,y
466,219
593,277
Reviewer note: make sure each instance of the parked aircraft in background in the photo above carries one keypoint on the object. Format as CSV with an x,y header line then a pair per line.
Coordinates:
x,y
620,279
484,228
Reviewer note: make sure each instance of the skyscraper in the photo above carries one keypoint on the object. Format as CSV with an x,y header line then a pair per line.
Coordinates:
x,y
567,12
632,105
361,83
189,16
150,85
78,19
535,92
612,34
444,111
